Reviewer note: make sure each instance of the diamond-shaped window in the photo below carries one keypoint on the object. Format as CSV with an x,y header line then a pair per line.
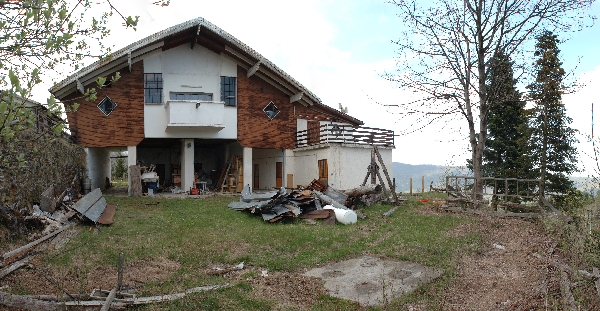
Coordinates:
x,y
271,110
107,105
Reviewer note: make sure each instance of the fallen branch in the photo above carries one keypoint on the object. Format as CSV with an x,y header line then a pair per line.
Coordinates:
x,y
109,300
27,303
29,246
490,213
565,289
31,303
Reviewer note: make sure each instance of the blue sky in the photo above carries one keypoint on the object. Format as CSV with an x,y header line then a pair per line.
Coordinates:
x,y
339,49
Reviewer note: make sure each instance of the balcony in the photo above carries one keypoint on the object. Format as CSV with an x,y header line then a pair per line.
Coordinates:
x,y
194,114
347,134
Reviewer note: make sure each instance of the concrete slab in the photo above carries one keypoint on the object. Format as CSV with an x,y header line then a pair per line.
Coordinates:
x,y
371,281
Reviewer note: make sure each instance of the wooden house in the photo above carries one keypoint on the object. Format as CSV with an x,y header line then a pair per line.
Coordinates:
x,y
195,101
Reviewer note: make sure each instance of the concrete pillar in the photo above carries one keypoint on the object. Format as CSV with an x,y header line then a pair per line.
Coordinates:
x,y
131,160
187,164
247,160
98,166
288,168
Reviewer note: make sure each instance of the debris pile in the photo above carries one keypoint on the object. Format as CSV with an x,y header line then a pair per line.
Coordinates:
x,y
55,215
316,201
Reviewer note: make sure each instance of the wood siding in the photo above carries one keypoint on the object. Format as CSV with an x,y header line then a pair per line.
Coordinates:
x,y
255,130
124,126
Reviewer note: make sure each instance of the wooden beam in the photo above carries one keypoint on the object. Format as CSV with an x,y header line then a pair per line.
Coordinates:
x,y
129,59
253,69
296,97
80,87
195,37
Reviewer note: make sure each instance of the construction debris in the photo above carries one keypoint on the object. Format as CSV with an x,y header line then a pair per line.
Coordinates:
x,y
306,203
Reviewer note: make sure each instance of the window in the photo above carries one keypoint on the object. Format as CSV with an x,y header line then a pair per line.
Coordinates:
x,y
191,96
228,91
153,86
323,171
107,106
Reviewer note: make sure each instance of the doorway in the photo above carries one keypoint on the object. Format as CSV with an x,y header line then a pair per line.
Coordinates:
x,y
278,174
255,175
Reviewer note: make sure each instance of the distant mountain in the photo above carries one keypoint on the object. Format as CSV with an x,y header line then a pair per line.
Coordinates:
x,y
432,173
437,174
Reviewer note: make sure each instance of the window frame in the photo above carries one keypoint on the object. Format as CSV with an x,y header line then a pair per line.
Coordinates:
x,y
191,94
157,87
226,94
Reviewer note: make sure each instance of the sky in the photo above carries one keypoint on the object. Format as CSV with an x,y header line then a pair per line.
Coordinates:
x,y
339,49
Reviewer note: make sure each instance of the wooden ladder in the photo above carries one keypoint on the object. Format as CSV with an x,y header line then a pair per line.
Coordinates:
x,y
221,181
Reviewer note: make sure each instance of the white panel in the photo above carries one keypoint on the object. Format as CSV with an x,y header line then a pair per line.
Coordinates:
x,y
152,64
228,67
301,125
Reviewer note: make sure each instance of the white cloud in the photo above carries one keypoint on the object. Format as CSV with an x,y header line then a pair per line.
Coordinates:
x,y
579,108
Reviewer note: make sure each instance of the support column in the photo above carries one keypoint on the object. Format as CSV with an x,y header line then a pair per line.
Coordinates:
x,y
247,160
98,166
187,164
131,160
288,168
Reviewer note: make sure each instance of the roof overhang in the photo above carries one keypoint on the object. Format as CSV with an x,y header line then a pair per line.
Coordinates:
x,y
202,32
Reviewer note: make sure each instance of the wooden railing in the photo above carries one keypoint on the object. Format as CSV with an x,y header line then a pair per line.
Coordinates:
x,y
337,133
503,188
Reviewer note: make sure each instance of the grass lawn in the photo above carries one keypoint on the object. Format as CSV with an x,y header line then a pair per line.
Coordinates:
x,y
201,233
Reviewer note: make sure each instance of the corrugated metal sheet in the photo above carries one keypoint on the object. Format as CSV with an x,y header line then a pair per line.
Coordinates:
x,y
91,205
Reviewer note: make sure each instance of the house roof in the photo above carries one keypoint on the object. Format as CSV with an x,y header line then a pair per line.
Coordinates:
x,y
198,31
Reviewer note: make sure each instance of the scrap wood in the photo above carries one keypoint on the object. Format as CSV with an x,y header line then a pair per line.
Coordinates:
x,y
390,212
329,200
327,214
108,216
14,266
29,246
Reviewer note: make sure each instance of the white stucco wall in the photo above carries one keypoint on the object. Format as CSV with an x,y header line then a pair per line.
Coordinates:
x,y
347,164
306,164
190,70
266,159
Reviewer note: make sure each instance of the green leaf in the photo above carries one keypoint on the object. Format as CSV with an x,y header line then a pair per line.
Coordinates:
x,y
14,80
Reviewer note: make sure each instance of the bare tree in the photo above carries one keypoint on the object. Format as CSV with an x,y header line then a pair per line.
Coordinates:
x,y
453,43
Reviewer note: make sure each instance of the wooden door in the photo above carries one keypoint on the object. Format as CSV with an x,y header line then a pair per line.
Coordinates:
x,y
278,174
323,171
255,178
313,132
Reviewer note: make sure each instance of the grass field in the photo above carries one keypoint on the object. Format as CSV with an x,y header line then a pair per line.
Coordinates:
x,y
201,233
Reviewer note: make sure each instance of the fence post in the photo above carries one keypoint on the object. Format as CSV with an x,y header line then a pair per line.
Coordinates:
x,y
411,186
422,184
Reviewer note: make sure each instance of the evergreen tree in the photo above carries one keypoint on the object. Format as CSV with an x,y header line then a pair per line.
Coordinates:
x,y
505,154
552,140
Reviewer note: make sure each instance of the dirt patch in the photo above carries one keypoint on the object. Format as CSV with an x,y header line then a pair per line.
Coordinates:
x,y
75,279
504,274
289,289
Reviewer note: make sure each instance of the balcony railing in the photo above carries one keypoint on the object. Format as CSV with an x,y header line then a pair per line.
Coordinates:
x,y
338,133
198,114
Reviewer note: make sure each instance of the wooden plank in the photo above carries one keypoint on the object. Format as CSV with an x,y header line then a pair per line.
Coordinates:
x,y
389,180
14,266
